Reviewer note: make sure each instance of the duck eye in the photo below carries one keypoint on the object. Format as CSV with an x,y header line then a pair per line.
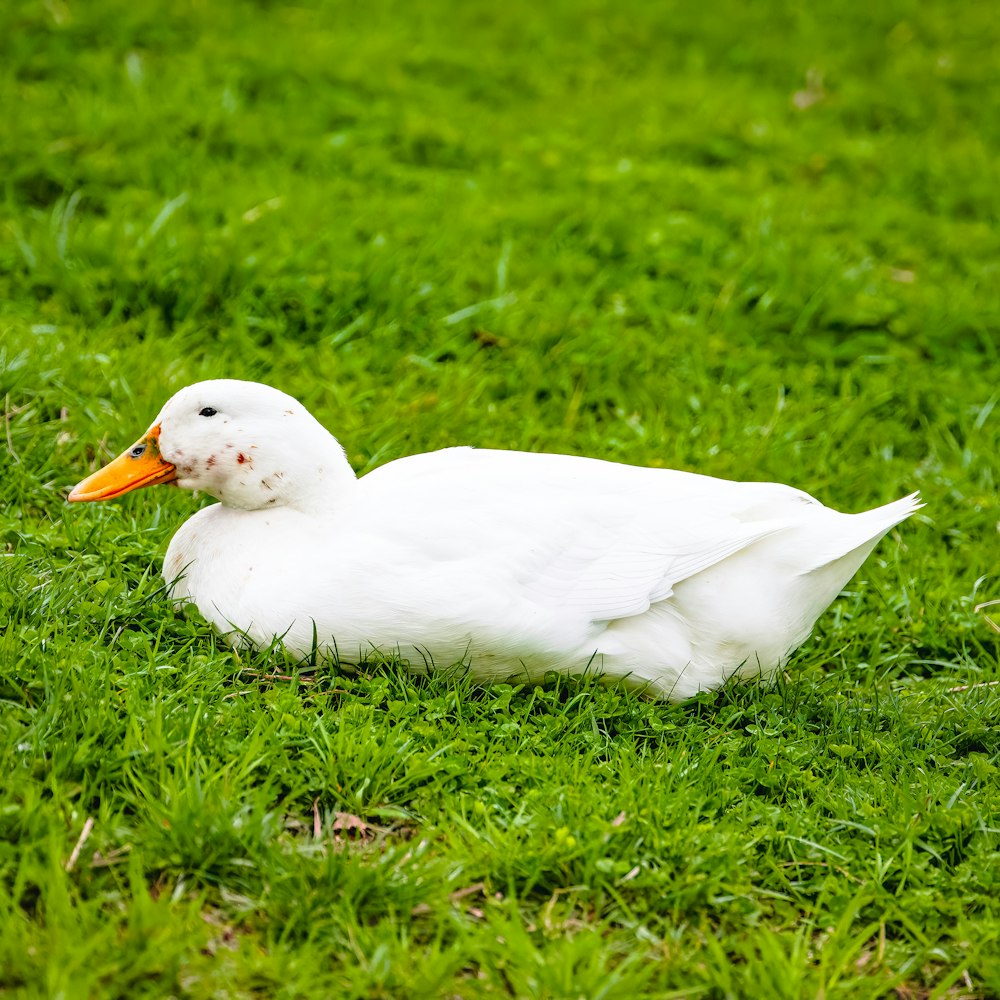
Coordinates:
x,y
207,411
138,451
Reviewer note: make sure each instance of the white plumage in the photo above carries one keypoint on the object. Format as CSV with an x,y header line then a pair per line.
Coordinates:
x,y
511,563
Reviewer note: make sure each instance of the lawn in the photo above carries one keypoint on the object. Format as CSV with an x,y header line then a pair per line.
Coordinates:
x,y
760,241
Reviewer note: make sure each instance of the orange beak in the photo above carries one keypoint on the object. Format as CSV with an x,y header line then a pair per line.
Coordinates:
x,y
142,465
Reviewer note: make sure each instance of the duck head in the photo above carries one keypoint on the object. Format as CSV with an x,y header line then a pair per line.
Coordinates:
x,y
248,445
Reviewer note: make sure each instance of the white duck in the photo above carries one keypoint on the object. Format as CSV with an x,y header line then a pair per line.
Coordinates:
x,y
507,562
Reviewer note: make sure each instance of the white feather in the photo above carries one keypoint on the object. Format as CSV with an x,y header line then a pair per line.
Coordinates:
x,y
508,562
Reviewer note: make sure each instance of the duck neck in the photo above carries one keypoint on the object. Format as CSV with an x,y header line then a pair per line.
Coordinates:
x,y
327,484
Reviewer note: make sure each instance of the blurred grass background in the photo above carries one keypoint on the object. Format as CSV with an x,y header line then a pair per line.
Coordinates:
x,y
756,241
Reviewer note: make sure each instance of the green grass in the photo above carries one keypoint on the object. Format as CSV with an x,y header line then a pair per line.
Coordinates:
x,y
755,240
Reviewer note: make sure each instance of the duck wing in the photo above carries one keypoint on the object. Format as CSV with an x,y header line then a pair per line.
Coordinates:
x,y
596,540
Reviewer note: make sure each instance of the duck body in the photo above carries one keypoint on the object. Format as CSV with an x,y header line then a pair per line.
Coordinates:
x,y
508,563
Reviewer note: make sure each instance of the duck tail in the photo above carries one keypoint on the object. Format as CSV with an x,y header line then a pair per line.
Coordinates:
x,y
892,513
853,536
864,530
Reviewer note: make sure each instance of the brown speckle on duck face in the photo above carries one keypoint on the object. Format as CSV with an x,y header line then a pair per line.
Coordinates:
x,y
241,458
266,484
210,461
